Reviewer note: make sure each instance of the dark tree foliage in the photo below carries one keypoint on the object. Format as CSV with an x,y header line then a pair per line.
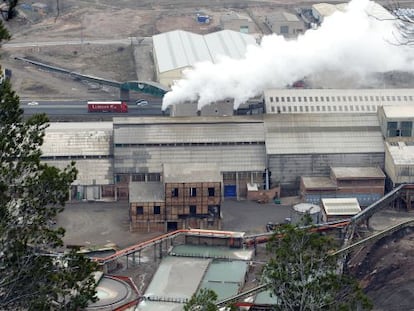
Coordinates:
x,y
203,300
34,275
303,276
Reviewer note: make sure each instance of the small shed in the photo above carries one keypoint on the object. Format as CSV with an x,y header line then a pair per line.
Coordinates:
x,y
339,208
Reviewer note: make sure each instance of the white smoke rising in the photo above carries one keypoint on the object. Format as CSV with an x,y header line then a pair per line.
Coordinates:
x,y
351,42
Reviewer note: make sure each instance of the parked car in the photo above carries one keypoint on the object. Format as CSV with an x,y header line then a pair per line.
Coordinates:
x,y
141,102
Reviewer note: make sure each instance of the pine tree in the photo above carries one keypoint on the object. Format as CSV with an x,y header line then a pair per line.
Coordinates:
x,y
303,276
34,274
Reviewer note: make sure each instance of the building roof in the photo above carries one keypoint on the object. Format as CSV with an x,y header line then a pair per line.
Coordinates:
x,y
178,173
323,133
326,9
319,183
341,206
230,16
179,49
282,17
357,172
146,192
402,153
188,130
399,112
78,139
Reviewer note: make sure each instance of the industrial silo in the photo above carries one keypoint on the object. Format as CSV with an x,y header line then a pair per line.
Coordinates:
x,y
302,209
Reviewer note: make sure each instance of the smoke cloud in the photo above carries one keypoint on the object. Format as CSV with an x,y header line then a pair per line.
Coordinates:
x,y
351,42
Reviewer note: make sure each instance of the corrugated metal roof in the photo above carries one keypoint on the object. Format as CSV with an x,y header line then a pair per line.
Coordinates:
x,y
78,139
402,153
357,172
178,49
228,43
188,130
341,206
330,133
146,192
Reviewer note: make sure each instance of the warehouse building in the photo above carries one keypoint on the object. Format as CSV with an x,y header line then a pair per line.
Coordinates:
x,y
235,145
178,50
328,101
89,144
366,184
189,197
285,24
237,22
310,144
397,130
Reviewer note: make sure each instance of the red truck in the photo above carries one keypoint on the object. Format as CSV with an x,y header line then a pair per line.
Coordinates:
x,y
114,106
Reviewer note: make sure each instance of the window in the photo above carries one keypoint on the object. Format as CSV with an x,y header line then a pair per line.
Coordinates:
x,y
299,99
154,177
139,210
138,177
293,98
277,99
295,109
193,192
310,98
271,99
157,210
392,129
273,108
211,191
193,210
305,99
288,99
282,99
284,30
406,128
174,192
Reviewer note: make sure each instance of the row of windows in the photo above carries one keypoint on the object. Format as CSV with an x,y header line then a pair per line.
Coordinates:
x,y
192,192
333,108
212,209
143,177
75,157
288,99
224,143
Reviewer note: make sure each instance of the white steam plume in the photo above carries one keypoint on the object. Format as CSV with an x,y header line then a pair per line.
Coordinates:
x,y
352,42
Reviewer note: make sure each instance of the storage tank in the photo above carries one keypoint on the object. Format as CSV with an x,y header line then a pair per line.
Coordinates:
x,y
302,209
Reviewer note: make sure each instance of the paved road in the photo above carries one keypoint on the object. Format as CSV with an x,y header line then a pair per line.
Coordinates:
x,y
103,223
79,108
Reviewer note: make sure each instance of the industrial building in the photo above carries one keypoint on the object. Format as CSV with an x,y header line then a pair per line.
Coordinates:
x,y
237,22
125,158
90,145
328,101
397,130
286,24
366,184
322,10
188,197
178,50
